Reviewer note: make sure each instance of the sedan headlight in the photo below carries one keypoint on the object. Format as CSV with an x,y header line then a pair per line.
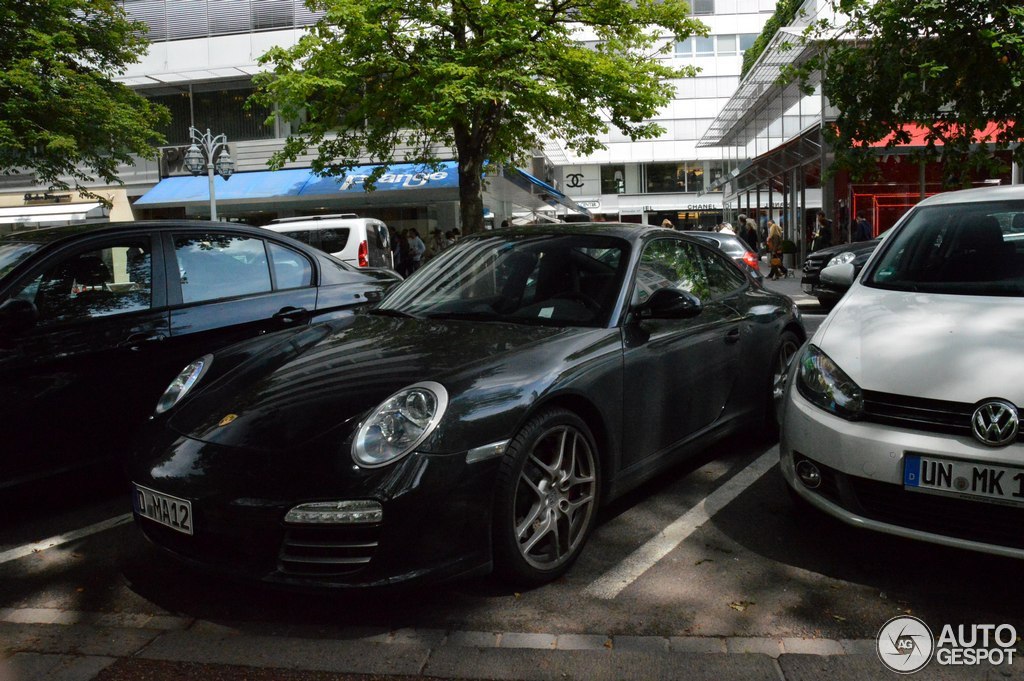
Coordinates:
x,y
183,382
822,382
399,424
842,259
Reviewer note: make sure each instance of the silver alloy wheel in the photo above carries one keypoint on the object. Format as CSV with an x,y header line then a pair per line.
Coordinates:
x,y
554,498
780,373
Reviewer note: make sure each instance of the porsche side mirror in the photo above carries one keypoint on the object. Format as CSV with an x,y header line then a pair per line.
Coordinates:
x,y
669,303
17,315
839,275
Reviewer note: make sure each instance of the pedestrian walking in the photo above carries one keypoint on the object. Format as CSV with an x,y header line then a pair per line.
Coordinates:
x,y
778,270
822,232
416,250
862,228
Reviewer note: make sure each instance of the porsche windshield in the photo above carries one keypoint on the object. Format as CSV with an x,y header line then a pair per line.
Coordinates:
x,y
963,249
549,279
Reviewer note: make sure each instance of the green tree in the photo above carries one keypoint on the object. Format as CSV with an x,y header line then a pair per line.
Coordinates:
x,y
954,68
61,114
401,79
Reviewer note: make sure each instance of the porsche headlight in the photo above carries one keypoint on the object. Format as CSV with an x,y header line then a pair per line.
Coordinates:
x,y
399,424
842,259
183,382
822,382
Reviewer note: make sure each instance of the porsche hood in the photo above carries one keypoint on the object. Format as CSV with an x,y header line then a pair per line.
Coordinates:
x,y
329,375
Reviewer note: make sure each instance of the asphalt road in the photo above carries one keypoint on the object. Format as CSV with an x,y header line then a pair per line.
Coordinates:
x,y
708,560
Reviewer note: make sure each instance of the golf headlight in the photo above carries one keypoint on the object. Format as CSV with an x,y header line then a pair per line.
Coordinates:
x,y
822,382
183,382
399,424
842,259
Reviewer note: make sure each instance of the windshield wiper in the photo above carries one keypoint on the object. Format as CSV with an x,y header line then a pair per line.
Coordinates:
x,y
391,312
477,316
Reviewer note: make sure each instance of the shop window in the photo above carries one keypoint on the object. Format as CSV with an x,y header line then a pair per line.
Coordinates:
x,y
613,179
666,177
694,177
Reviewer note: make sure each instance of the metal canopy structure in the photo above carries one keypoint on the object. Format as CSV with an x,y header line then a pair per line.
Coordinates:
x,y
799,152
759,89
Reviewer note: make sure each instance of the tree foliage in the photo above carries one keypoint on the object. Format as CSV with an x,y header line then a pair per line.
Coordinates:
x,y
953,68
61,114
785,12
399,80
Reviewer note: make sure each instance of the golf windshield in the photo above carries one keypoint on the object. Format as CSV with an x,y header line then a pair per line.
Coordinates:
x,y
962,249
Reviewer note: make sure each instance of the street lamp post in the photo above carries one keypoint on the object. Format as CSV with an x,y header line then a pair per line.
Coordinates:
x,y
195,161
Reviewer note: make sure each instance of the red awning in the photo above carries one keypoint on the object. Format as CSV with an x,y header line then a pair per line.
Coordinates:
x,y
919,134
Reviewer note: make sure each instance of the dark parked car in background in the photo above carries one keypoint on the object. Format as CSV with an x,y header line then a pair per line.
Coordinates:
x,y
829,294
94,322
478,416
736,248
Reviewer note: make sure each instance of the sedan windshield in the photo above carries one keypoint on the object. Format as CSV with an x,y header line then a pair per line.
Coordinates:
x,y
13,253
548,279
962,249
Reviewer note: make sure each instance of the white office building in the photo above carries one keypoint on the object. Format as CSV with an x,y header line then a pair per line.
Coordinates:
x,y
200,65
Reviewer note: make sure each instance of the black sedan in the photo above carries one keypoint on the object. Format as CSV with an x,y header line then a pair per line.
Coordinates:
x,y
829,294
737,249
476,418
95,321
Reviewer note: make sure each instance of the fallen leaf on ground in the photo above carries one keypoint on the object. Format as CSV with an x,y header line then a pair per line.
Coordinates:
x,y
740,606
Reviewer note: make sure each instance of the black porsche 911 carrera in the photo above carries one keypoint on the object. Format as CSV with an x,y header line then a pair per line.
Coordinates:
x,y
475,419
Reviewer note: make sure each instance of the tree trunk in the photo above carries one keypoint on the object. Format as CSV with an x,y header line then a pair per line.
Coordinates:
x,y
471,200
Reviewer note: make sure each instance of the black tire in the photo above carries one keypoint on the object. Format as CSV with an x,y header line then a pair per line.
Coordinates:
x,y
781,359
545,505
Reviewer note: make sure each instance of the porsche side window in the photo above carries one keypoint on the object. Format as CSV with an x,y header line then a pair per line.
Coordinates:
x,y
723,277
115,279
213,266
669,263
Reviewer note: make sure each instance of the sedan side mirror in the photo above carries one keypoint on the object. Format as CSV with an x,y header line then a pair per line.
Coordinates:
x,y
669,303
839,275
17,315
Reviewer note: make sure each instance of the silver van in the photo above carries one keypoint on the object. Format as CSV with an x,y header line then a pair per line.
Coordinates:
x,y
361,242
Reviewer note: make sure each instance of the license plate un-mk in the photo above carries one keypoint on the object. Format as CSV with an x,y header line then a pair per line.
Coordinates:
x,y
968,479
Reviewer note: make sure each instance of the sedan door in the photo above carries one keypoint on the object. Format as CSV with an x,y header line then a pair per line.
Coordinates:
x,y
678,373
78,374
232,286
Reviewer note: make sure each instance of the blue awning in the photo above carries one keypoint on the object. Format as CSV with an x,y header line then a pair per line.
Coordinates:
x,y
266,185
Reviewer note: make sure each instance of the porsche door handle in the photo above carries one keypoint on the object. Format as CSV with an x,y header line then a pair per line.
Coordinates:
x,y
732,337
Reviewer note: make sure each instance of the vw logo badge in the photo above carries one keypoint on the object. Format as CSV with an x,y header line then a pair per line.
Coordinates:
x,y
995,423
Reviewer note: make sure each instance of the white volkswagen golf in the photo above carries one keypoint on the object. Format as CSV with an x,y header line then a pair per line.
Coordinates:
x,y
902,413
